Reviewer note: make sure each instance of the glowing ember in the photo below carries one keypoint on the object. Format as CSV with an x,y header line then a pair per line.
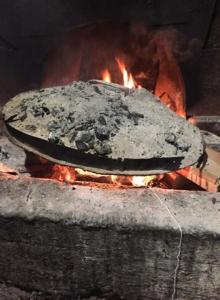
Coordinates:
x,y
139,181
65,174
6,169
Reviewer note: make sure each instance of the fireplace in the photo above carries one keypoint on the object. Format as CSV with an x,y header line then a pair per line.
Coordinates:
x,y
69,233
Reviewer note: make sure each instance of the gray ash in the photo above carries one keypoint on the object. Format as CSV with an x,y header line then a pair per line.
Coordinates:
x,y
103,148
173,140
31,128
53,125
22,116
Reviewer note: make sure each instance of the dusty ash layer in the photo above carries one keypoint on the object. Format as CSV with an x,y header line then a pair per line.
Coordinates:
x,y
106,121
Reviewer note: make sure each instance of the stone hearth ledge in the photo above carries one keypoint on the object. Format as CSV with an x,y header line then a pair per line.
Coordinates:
x,y
69,240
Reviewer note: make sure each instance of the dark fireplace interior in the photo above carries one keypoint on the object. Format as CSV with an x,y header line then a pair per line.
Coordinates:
x,y
46,44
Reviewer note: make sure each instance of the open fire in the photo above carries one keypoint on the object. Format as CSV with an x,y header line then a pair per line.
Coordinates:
x,y
40,167
76,175
133,73
73,175
135,57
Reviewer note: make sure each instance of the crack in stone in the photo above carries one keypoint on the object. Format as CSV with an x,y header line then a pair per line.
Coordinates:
x,y
28,197
179,245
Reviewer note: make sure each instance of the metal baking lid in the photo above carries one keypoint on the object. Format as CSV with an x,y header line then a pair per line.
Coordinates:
x,y
104,128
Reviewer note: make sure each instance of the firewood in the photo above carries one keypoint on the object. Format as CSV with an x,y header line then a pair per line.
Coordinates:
x,y
208,176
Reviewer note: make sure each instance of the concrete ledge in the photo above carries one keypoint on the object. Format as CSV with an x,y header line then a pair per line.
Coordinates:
x,y
68,242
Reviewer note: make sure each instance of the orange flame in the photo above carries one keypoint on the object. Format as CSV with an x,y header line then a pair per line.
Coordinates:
x,y
75,175
128,79
106,76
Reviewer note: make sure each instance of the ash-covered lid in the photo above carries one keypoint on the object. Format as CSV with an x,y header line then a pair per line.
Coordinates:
x,y
102,127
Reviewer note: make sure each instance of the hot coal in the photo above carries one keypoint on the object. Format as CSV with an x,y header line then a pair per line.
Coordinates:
x,y
3,154
84,136
170,138
102,133
103,148
53,126
55,137
102,120
82,146
173,140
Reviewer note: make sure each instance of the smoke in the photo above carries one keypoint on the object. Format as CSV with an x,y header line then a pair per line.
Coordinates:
x,y
183,49
151,55
143,38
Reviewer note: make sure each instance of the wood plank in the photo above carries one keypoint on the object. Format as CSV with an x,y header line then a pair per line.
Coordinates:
x,y
207,176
